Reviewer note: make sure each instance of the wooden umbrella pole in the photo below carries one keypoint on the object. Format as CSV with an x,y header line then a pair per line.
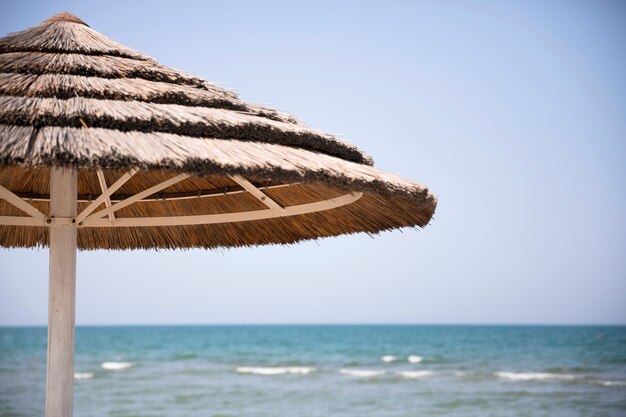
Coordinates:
x,y
62,294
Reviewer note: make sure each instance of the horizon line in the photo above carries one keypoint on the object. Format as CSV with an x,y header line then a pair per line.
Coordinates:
x,y
325,324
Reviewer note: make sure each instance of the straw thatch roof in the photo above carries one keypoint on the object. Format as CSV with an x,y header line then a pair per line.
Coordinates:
x,y
70,96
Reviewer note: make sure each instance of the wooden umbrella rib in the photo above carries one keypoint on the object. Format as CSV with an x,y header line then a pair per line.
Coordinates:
x,y
137,197
226,217
103,186
106,194
21,204
258,194
21,221
95,221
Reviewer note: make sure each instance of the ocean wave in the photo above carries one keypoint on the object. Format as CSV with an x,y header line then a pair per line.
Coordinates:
x,y
389,358
415,359
609,383
415,374
278,370
115,366
529,376
362,373
83,375
538,376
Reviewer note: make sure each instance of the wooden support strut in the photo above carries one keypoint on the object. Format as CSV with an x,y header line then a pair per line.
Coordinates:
x,y
226,217
105,195
103,187
260,195
86,219
138,196
21,204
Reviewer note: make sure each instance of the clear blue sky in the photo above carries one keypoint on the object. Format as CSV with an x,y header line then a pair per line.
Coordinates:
x,y
513,113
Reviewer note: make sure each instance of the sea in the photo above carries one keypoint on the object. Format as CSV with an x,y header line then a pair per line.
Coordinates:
x,y
315,371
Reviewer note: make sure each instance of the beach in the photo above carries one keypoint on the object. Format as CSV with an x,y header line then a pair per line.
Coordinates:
x,y
326,371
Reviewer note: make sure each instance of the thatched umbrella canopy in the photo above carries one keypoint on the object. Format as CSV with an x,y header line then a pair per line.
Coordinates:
x,y
102,147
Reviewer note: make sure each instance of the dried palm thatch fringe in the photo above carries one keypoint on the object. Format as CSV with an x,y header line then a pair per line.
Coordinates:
x,y
61,86
70,96
113,149
182,120
102,66
66,35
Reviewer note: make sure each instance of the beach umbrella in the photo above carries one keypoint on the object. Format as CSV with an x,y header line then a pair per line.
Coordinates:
x,y
102,147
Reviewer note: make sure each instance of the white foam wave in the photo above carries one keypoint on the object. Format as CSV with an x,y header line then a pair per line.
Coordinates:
x,y
115,366
415,374
83,375
415,359
279,370
610,383
389,358
362,373
529,376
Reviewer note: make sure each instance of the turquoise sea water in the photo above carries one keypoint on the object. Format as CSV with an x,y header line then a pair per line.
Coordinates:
x,y
326,371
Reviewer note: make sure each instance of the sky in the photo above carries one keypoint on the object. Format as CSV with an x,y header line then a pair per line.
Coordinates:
x,y
513,114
